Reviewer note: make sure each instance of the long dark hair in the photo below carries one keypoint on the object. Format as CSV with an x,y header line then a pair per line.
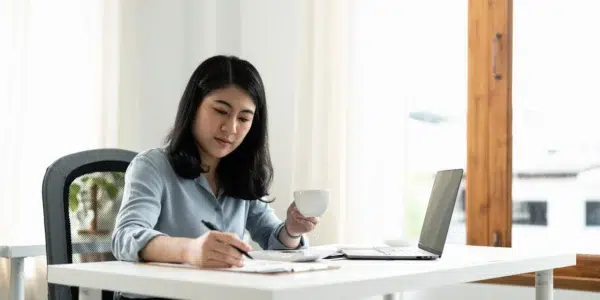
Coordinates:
x,y
247,172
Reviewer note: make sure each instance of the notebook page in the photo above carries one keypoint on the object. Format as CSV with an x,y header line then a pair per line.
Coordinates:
x,y
262,266
299,255
267,266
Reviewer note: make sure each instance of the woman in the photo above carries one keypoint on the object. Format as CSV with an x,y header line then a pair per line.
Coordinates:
x,y
215,167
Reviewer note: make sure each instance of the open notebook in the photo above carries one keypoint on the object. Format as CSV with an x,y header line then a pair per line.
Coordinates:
x,y
267,266
299,255
264,267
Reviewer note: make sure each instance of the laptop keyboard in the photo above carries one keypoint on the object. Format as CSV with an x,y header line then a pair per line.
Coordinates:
x,y
402,251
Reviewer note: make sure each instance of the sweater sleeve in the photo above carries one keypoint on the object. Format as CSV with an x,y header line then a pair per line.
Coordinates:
x,y
264,227
139,211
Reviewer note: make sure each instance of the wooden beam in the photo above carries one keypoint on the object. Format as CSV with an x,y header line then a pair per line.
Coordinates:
x,y
477,185
500,122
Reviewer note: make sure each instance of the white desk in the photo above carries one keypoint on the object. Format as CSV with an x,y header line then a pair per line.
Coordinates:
x,y
354,280
17,251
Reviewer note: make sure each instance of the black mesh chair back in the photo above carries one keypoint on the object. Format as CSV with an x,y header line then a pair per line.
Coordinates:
x,y
81,194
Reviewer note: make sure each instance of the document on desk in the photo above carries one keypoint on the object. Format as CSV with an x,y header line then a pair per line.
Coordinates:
x,y
297,255
263,266
269,266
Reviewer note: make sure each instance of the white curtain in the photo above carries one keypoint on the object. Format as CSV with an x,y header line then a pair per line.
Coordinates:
x,y
320,110
349,124
58,90
376,122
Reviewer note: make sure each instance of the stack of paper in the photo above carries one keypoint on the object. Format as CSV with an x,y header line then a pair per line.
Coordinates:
x,y
261,266
300,255
266,266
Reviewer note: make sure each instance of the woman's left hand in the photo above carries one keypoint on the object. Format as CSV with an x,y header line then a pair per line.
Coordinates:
x,y
297,224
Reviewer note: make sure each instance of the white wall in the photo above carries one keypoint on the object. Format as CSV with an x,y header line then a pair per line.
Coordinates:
x,y
153,70
163,41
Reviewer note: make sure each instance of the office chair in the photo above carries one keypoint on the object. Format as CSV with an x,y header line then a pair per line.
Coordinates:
x,y
81,194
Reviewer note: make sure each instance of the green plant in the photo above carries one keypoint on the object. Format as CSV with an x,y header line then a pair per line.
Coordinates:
x,y
109,182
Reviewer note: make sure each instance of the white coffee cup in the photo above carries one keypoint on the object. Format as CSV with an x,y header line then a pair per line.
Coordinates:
x,y
311,203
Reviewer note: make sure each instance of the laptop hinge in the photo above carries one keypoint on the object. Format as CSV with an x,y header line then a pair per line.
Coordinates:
x,y
430,250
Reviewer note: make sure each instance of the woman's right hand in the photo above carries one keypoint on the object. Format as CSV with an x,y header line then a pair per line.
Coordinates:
x,y
213,250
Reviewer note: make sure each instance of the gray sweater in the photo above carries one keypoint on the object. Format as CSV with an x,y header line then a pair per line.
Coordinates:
x,y
156,201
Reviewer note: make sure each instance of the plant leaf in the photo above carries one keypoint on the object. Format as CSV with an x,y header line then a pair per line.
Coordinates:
x,y
112,191
118,176
74,190
110,188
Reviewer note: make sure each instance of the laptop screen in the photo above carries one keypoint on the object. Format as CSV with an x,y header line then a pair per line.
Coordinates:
x,y
439,210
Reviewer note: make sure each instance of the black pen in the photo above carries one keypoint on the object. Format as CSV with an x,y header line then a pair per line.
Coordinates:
x,y
210,226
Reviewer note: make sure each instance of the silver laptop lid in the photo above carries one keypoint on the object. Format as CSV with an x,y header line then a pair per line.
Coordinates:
x,y
439,210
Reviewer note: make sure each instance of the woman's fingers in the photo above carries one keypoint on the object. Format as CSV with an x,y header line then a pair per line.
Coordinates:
x,y
211,263
297,215
223,252
227,250
224,258
306,224
232,239
314,220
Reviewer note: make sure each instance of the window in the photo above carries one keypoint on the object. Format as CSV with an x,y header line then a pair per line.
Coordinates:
x,y
530,138
592,213
552,114
421,130
530,213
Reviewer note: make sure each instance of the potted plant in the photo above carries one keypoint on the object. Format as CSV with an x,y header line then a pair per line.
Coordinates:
x,y
93,195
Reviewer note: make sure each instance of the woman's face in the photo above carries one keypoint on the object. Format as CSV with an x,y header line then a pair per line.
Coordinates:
x,y
223,120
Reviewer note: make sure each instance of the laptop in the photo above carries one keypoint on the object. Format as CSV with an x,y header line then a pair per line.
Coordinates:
x,y
435,225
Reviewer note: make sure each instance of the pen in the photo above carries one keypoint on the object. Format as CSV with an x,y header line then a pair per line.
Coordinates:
x,y
210,226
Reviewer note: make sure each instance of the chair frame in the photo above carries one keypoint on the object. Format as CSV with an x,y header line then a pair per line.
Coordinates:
x,y
55,197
